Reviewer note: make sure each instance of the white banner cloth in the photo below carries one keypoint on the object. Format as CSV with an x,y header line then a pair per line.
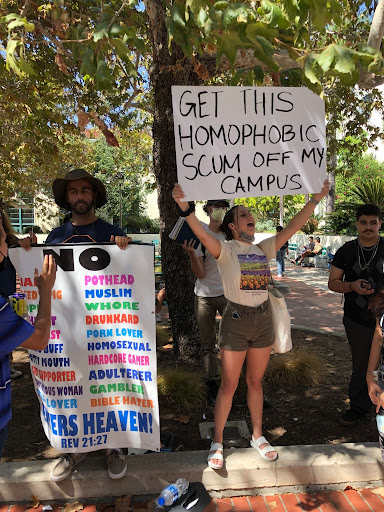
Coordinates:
x,y
97,379
248,141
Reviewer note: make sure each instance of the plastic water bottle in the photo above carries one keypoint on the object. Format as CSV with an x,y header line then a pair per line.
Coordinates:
x,y
380,428
172,493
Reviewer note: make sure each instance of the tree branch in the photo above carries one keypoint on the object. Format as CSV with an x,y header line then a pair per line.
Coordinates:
x,y
370,80
376,33
23,12
116,15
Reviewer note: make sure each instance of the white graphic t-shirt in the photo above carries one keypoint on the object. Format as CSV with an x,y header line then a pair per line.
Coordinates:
x,y
245,270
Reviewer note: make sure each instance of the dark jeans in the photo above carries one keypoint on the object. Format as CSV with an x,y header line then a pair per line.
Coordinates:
x,y
360,340
3,438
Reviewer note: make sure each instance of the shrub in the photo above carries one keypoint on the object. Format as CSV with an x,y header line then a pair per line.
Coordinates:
x,y
183,388
262,226
296,368
311,225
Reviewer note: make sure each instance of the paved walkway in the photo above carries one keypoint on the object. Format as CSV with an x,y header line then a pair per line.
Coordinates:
x,y
334,501
310,303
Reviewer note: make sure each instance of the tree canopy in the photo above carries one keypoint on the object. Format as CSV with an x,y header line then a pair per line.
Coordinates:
x,y
97,59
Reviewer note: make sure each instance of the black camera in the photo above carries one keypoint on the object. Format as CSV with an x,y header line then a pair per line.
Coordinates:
x,y
366,285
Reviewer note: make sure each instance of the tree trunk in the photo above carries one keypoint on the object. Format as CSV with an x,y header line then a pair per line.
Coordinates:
x,y
281,204
167,70
330,205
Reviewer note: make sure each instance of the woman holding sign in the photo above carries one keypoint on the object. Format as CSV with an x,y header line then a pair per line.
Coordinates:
x,y
246,330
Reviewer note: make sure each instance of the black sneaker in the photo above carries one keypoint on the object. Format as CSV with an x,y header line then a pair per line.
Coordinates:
x,y
350,418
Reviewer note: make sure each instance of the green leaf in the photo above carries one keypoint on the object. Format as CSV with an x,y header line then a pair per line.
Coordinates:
x,y
177,17
100,31
123,52
26,68
310,69
349,79
235,13
11,62
291,77
103,77
116,30
273,14
338,57
221,5
20,22
267,47
261,29
229,43
9,17
258,74
88,64
262,52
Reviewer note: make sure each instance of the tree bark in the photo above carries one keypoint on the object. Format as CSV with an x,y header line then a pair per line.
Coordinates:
x,y
330,205
167,70
369,80
281,208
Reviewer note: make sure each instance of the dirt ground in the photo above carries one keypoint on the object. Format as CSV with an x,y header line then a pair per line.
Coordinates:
x,y
304,415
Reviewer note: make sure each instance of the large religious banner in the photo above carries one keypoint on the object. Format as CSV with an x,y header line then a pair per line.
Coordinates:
x,y
248,141
96,380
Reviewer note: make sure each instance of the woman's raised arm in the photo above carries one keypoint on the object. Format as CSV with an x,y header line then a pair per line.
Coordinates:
x,y
301,218
210,242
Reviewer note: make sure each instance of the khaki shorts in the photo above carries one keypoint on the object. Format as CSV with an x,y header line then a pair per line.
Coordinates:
x,y
244,327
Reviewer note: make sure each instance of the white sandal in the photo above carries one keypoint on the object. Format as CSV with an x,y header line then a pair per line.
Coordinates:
x,y
256,443
215,455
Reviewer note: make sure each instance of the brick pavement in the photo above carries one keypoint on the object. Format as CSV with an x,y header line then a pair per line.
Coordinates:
x,y
351,500
309,302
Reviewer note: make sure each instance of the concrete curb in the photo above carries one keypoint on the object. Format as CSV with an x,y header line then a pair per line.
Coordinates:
x,y
299,468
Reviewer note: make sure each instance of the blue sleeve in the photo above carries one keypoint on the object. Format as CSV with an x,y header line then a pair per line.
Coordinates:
x,y
48,240
14,330
118,232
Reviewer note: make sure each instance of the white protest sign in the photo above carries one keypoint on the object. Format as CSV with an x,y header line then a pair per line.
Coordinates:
x,y
248,141
97,378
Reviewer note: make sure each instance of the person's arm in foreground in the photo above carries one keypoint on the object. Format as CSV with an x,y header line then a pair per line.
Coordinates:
x,y
376,394
301,218
42,325
197,265
210,242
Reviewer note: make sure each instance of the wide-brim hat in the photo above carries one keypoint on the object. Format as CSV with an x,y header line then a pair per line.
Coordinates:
x,y
59,187
212,202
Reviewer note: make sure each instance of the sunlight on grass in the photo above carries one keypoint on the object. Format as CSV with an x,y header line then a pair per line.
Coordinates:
x,y
162,335
296,368
181,387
